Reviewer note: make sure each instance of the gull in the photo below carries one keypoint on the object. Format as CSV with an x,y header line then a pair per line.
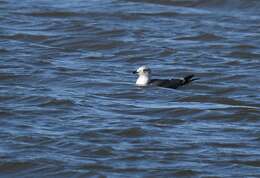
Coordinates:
x,y
144,79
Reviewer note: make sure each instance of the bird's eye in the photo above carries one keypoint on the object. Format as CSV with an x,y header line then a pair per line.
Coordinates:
x,y
146,70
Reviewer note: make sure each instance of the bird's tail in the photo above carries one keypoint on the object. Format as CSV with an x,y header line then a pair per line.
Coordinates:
x,y
189,79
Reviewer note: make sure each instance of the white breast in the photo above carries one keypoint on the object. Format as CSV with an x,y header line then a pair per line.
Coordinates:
x,y
142,80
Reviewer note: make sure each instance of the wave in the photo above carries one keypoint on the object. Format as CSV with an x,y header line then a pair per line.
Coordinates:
x,y
226,4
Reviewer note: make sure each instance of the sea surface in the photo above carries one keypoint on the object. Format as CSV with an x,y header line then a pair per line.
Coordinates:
x,y
69,106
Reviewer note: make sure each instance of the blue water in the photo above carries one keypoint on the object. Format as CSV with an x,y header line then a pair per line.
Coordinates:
x,y
69,106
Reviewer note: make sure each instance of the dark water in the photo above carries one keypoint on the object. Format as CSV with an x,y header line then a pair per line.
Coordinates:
x,y
69,106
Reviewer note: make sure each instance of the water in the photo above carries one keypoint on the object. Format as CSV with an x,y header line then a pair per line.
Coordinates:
x,y
69,106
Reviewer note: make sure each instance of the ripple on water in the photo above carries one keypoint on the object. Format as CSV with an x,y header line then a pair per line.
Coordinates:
x,y
3,50
57,102
56,14
202,37
131,132
26,37
244,55
15,166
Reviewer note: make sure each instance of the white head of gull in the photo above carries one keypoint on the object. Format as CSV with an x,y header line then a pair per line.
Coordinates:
x,y
144,74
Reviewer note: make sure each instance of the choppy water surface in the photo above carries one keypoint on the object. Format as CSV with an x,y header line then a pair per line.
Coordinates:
x,y
69,106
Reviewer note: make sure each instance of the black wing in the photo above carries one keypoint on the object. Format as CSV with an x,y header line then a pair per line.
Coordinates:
x,y
172,83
